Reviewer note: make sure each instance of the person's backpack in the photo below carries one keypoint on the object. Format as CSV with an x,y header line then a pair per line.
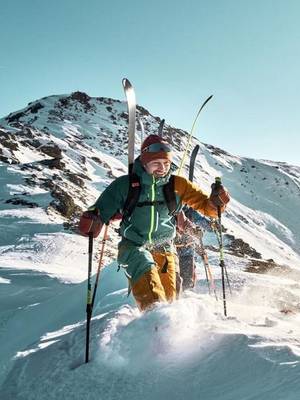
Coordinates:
x,y
134,192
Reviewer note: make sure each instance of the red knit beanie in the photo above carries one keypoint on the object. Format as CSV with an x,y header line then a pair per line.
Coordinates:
x,y
153,148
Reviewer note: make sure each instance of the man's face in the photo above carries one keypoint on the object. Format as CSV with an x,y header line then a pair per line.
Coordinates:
x,y
158,168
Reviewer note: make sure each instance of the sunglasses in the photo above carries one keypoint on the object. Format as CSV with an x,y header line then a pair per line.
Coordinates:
x,y
156,147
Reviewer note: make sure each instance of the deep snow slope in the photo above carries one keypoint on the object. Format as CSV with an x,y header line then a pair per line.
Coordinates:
x,y
56,156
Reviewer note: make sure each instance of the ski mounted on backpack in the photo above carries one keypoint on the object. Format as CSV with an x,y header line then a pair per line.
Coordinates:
x,y
142,129
134,191
161,128
131,106
192,162
191,134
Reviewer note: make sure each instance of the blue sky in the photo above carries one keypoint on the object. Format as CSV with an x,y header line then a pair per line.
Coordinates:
x,y
245,53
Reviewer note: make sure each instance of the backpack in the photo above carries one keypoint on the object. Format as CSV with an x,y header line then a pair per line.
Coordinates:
x,y
134,192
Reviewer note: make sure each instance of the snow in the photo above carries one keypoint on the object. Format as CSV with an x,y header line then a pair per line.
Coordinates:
x,y
59,255
184,350
263,232
187,344
38,215
18,189
26,155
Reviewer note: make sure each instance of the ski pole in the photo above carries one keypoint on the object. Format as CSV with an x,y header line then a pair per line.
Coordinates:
x,y
200,251
225,267
210,276
105,237
206,275
89,298
208,272
227,279
222,263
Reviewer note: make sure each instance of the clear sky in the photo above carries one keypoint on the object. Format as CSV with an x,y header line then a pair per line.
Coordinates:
x,y
176,53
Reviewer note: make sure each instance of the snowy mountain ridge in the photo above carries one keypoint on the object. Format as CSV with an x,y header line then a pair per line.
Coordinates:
x,y
60,152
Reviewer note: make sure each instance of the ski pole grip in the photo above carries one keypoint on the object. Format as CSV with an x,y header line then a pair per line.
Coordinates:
x,y
218,181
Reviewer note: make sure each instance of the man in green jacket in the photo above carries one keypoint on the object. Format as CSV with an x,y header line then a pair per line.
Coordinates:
x,y
146,250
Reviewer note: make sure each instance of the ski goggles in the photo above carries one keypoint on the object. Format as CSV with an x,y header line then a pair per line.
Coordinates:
x,y
157,147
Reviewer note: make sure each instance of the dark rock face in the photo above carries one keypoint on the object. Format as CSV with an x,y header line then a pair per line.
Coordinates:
x,y
263,266
35,108
144,112
9,142
51,150
64,203
81,97
216,150
17,201
77,179
53,163
76,98
14,117
240,248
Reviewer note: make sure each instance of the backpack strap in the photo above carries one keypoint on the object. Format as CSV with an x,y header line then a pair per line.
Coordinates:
x,y
170,196
133,195
149,203
134,192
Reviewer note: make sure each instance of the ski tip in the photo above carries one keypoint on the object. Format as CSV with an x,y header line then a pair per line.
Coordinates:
x,y
208,99
195,151
126,82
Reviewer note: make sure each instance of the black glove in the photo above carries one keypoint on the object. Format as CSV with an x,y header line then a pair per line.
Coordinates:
x,y
219,196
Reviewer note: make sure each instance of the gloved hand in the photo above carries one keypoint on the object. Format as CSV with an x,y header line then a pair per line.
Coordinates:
x,y
117,217
219,197
90,222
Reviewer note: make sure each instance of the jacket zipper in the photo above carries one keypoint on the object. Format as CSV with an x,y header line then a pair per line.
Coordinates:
x,y
152,211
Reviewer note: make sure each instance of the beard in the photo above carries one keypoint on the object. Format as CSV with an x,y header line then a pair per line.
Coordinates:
x,y
159,174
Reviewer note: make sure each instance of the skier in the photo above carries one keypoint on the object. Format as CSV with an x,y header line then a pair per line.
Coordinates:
x,y
190,225
146,250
